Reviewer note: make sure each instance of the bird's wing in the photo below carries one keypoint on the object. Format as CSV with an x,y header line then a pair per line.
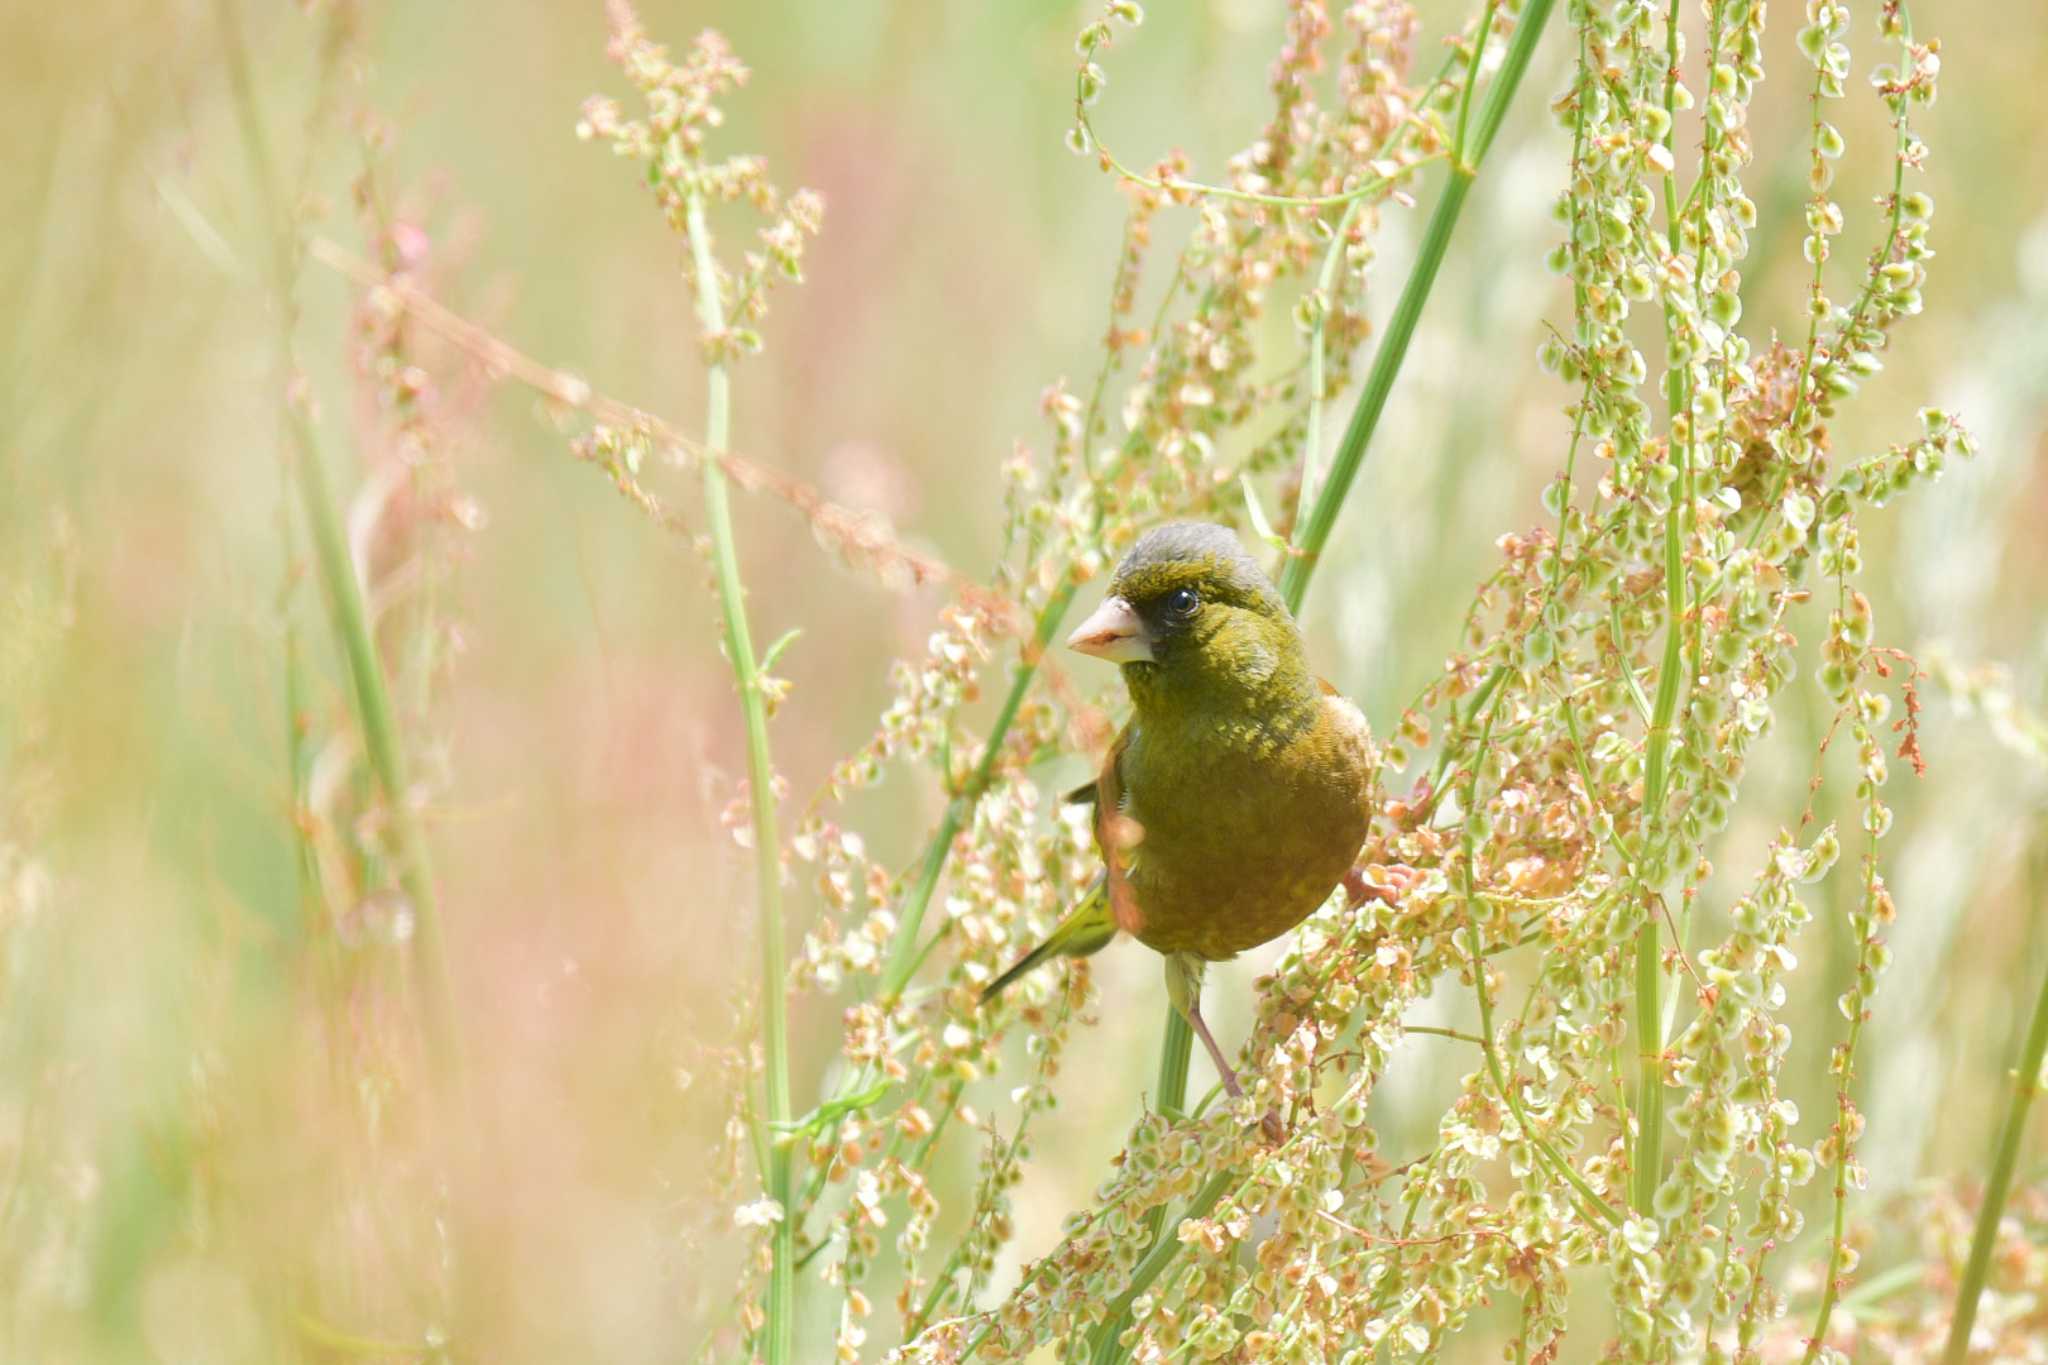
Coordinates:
x,y
1092,923
1118,836
1087,792
1086,929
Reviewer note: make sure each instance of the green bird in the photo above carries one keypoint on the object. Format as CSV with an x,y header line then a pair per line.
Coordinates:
x,y
1237,797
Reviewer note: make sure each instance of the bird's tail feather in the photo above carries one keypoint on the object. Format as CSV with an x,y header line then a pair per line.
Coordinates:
x,y
1087,928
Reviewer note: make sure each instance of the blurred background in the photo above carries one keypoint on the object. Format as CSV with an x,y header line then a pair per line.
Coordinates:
x,y
188,1078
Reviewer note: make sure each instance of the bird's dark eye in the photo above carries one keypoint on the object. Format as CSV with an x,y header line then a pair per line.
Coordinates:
x,y
1182,603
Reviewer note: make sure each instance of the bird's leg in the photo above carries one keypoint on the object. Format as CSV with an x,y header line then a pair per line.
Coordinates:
x,y
1184,989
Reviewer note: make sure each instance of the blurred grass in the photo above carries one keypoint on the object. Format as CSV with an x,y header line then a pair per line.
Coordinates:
x,y
164,1133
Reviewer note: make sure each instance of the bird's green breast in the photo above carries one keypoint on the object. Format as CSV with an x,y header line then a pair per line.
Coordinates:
x,y
1248,820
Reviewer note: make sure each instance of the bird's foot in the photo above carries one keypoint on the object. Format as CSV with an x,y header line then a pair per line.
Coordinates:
x,y
1270,1126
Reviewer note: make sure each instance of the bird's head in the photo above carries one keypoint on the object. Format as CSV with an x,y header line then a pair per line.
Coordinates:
x,y
1193,619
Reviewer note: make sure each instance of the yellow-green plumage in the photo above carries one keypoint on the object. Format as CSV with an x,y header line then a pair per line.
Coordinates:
x,y
1238,795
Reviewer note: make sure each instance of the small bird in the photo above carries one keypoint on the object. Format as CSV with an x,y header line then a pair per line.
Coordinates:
x,y
1237,797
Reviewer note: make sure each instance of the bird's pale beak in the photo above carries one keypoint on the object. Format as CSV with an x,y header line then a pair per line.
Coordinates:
x,y
1114,633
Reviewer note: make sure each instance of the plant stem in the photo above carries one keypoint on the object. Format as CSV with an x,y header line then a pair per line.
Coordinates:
x,y
1312,533
2026,1084
1170,1097
1108,1348
1649,1103
1656,770
778,1333
380,739
344,596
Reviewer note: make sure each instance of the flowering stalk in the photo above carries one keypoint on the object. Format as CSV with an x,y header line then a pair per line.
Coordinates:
x,y
670,141
778,1335
905,952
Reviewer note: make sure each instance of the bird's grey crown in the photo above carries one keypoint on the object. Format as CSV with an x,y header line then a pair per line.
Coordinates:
x,y
1187,541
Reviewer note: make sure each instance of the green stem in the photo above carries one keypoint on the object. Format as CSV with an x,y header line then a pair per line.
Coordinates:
x,y
2026,1084
1170,1097
1312,533
1649,1102
344,595
1175,1049
1656,758
380,739
778,1333
1831,1290
1107,1348
1472,74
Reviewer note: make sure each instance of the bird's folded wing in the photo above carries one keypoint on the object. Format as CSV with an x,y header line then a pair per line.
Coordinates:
x,y
1118,836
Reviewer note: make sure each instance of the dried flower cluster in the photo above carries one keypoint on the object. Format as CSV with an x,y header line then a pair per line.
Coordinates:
x,y
682,110
1585,753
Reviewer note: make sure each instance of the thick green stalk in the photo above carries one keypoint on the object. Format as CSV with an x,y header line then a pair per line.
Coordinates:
x,y
1313,532
1108,1349
778,1333
1649,1102
2026,1084
1170,1097
1172,1089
